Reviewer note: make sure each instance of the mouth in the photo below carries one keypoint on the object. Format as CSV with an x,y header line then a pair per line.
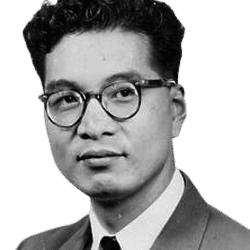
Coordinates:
x,y
93,155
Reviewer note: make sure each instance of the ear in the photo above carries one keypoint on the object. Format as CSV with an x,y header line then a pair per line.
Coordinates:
x,y
178,109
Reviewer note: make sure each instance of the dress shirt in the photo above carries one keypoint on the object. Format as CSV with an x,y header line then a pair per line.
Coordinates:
x,y
142,232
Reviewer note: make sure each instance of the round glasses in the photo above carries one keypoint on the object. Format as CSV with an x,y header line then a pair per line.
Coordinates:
x,y
121,100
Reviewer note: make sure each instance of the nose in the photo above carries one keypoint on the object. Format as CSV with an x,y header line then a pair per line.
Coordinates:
x,y
96,123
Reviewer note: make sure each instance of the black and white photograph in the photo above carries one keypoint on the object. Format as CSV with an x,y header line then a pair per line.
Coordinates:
x,y
125,125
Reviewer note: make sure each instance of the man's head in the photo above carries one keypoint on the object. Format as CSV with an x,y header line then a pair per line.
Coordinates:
x,y
152,18
108,158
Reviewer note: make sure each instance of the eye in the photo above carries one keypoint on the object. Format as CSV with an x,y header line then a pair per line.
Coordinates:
x,y
124,92
69,99
121,92
64,100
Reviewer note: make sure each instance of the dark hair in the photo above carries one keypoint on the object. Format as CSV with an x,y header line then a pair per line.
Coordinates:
x,y
152,18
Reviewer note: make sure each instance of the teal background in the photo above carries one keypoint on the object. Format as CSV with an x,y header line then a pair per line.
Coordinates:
x,y
213,148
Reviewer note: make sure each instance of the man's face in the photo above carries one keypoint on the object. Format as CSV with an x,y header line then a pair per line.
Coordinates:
x,y
142,144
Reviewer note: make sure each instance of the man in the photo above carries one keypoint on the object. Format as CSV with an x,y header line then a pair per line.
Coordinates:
x,y
109,70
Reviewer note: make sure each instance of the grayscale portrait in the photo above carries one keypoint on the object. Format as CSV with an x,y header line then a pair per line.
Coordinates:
x,y
113,104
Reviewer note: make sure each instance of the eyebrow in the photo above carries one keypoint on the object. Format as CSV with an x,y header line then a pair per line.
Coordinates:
x,y
128,75
61,84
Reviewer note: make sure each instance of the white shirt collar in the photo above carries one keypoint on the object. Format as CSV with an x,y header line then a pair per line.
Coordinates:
x,y
143,231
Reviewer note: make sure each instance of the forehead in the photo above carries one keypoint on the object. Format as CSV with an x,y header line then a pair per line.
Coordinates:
x,y
95,56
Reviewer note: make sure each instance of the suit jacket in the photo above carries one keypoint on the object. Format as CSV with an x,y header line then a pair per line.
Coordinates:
x,y
194,225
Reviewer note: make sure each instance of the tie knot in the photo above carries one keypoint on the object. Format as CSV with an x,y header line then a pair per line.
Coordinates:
x,y
110,243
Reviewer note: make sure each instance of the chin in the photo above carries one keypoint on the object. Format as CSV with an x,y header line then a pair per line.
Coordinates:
x,y
107,197
106,193
98,189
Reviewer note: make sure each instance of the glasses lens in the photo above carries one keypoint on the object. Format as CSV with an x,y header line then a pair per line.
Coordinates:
x,y
65,107
121,99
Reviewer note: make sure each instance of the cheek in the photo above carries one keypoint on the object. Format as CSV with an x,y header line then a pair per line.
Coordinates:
x,y
154,122
59,143
151,132
59,151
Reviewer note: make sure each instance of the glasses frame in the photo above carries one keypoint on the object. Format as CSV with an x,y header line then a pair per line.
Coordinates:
x,y
86,96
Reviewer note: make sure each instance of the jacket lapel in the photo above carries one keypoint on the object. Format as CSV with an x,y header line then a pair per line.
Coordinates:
x,y
186,227
80,239
74,237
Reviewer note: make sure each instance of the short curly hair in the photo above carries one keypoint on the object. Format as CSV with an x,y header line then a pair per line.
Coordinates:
x,y
152,18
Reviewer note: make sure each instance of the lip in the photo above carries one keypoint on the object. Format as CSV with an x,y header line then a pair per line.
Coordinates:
x,y
98,154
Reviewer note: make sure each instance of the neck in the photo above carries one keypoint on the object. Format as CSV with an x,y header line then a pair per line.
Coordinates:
x,y
115,215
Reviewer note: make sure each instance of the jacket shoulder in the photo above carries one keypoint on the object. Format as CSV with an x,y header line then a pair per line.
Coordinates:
x,y
57,235
224,233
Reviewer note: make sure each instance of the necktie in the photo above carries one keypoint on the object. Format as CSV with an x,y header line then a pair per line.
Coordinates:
x,y
109,243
